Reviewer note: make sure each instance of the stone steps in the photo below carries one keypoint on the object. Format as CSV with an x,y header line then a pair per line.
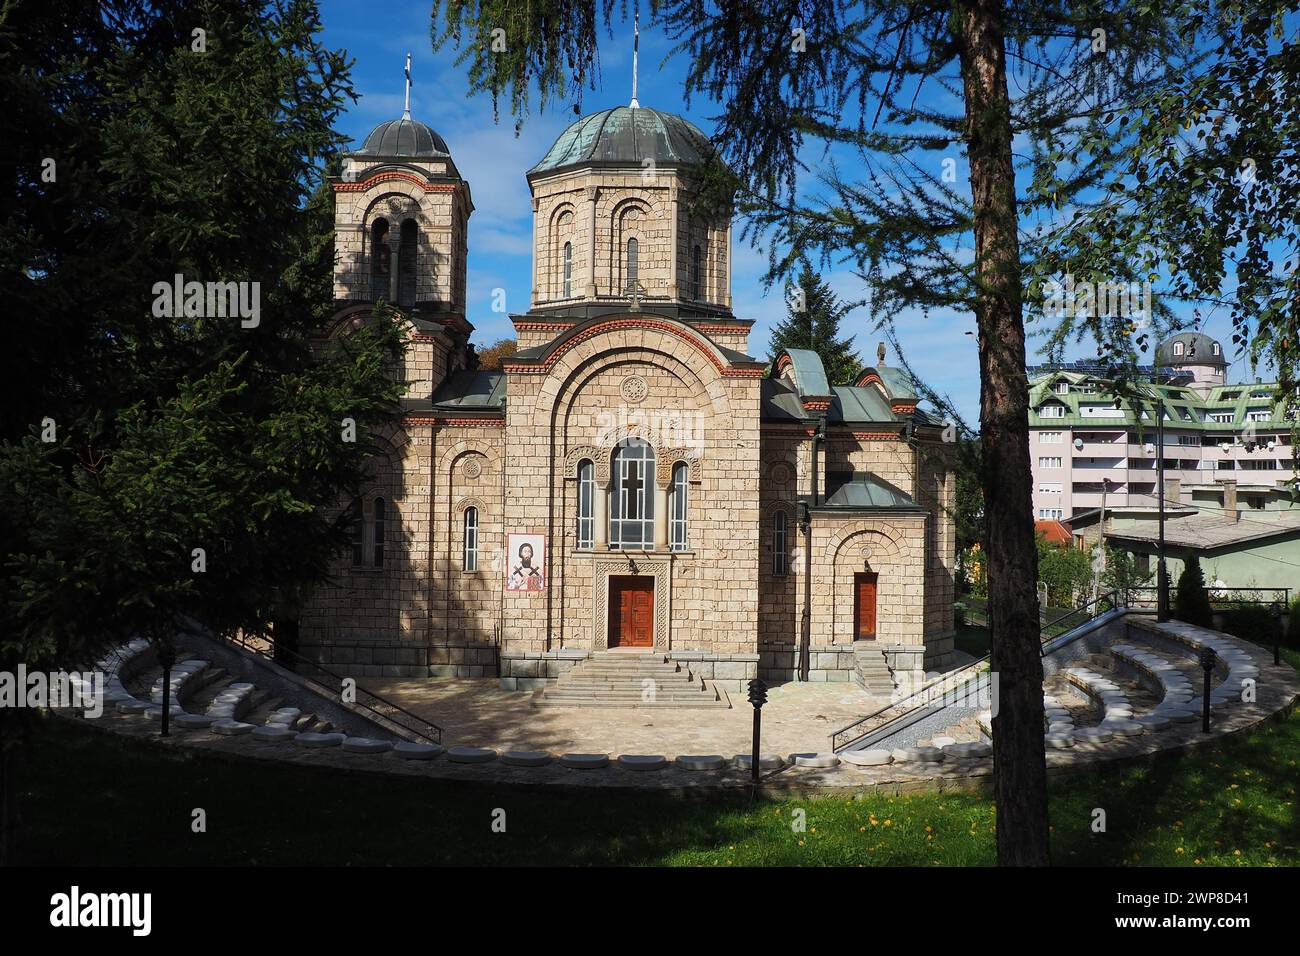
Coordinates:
x,y
622,680
871,671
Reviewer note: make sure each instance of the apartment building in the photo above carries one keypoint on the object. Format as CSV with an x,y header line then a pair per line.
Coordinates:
x,y
1223,444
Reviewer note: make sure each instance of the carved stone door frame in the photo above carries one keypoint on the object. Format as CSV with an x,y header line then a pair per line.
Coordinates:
x,y
605,568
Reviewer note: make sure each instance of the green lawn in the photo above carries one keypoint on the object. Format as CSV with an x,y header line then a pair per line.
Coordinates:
x,y
94,799
973,639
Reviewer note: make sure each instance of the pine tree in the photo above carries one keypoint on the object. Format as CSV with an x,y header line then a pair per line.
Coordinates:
x,y
812,322
1192,603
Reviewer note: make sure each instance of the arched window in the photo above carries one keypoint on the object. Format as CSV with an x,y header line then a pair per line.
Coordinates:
x,y
780,544
677,508
406,251
380,258
379,533
567,285
470,554
696,288
632,500
586,500
359,534
632,252
1178,348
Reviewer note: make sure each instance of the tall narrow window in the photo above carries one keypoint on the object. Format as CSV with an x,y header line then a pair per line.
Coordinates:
x,y
380,259
631,501
567,285
471,540
677,508
632,248
406,251
780,544
696,288
379,533
586,499
359,534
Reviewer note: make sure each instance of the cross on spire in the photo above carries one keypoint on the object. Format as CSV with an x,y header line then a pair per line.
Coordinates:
x,y
406,112
636,42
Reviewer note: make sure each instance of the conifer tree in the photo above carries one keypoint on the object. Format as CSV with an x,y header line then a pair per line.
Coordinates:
x,y
812,322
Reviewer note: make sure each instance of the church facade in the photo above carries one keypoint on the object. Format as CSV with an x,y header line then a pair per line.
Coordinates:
x,y
632,477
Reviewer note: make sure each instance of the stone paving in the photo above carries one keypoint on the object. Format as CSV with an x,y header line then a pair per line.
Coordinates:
x,y
796,718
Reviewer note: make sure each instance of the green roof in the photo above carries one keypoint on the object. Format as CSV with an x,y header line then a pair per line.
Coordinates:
x,y
1180,403
863,491
627,135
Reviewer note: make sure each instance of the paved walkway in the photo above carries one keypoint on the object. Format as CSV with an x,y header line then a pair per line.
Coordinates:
x,y
476,712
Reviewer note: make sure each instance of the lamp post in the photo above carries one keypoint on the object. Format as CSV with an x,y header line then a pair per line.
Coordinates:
x,y
1162,571
805,636
1276,611
1207,658
757,697
166,658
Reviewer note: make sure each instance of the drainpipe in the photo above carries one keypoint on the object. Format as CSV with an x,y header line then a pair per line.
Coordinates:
x,y
805,638
1162,572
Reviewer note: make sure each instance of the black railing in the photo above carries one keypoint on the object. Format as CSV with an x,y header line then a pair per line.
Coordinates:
x,y
962,683
333,683
1221,596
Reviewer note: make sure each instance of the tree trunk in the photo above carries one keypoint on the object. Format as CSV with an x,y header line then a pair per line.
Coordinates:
x,y
1019,766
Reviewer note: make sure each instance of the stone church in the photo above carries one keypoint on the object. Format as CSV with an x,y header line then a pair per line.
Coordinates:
x,y
632,477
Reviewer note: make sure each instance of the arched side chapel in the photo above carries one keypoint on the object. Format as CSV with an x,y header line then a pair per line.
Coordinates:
x,y
631,480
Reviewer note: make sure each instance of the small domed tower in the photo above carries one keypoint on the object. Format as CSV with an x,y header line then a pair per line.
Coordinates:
x,y
401,220
613,223
1194,354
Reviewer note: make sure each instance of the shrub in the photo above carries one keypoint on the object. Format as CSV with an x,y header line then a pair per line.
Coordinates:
x,y
1192,604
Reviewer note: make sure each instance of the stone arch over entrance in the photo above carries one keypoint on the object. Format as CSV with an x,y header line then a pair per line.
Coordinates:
x,y
883,547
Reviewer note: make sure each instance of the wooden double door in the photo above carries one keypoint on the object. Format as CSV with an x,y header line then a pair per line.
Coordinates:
x,y
631,611
864,606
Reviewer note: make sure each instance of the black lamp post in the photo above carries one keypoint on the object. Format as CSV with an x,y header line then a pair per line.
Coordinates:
x,y
757,697
166,658
1276,611
1207,659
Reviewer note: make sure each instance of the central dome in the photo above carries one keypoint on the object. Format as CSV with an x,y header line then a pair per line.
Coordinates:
x,y
627,135
404,138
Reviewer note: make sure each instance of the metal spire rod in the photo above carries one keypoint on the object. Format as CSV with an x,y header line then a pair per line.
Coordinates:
x,y
406,111
636,42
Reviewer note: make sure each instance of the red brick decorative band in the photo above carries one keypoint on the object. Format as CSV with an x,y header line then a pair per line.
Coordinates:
x,y
627,323
365,184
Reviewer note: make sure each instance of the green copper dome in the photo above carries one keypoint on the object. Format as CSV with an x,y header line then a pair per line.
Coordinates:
x,y
626,135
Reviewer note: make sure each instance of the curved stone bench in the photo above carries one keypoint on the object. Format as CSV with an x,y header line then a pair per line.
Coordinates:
x,y
366,745
283,717
1115,705
471,755
1234,664
765,761
232,703
968,750
867,758
584,761
232,728
918,755
701,762
815,760
407,750
642,762
319,740
182,679
526,758
194,721
274,733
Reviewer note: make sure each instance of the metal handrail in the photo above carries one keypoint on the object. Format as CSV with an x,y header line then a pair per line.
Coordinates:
x,y
928,691
380,706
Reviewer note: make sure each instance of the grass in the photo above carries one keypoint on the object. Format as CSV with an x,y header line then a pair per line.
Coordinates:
x,y
974,639
89,798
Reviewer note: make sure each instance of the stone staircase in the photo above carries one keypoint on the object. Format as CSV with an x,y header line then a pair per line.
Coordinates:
x,y
871,671
629,679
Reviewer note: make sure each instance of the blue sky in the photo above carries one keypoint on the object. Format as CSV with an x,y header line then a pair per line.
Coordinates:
x,y
494,160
